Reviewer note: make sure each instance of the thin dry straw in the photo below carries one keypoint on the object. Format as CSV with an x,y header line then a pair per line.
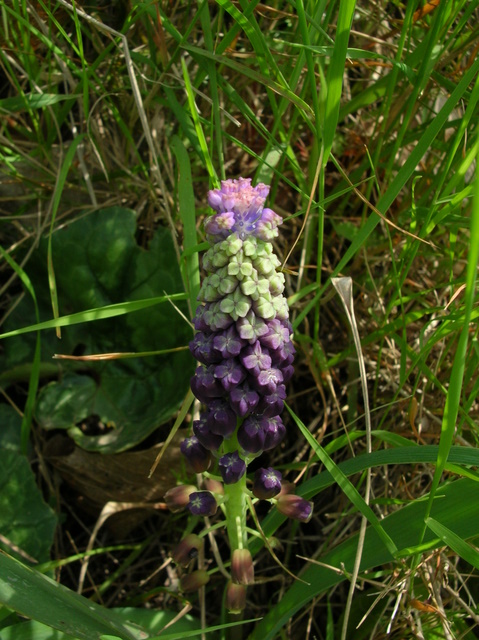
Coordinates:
x,y
344,287
139,105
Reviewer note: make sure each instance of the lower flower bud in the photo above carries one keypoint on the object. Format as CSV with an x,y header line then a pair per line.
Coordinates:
x,y
178,498
215,486
293,506
235,597
194,581
242,569
187,549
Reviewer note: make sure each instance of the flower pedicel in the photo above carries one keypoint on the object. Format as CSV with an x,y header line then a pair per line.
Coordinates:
x,y
243,344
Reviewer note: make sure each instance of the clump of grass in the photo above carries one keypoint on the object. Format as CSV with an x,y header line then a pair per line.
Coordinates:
x,y
364,121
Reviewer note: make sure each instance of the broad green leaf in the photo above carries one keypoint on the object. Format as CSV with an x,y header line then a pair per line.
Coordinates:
x,y
10,425
456,507
151,621
35,368
38,597
25,519
98,264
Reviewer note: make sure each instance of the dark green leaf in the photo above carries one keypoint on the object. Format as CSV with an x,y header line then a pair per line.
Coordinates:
x,y
114,404
151,621
25,520
40,598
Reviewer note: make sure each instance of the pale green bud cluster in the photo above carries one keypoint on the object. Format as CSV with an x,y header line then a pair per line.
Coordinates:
x,y
243,277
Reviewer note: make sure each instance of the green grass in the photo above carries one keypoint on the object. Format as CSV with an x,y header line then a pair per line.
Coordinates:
x,y
363,118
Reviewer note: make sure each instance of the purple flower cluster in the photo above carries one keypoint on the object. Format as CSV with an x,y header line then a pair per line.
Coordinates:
x,y
243,340
240,210
245,354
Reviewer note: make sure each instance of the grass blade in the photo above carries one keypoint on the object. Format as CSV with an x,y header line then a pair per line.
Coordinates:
x,y
109,311
198,126
33,594
62,176
454,392
334,78
190,265
349,489
455,542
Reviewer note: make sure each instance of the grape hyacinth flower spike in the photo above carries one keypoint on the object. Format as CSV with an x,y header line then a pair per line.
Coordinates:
x,y
245,354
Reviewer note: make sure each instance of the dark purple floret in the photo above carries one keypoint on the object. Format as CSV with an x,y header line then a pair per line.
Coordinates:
x,y
221,419
277,335
202,347
243,400
231,467
204,384
272,404
202,503
255,359
199,319
287,372
229,343
284,355
274,432
198,457
230,373
267,483
208,439
251,434
286,322
268,381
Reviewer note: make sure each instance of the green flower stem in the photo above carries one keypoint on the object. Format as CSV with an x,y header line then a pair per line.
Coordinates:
x,y
235,503
235,508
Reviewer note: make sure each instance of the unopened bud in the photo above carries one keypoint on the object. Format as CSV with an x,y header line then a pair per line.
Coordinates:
x,y
286,488
235,597
242,569
187,549
295,507
194,581
215,486
178,498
